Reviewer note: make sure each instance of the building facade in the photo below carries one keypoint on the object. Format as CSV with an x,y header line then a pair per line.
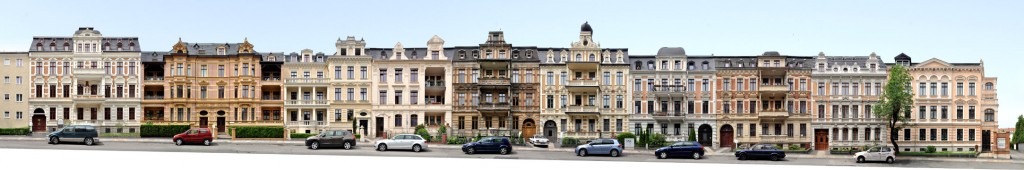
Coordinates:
x,y
411,87
351,84
844,90
579,103
955,106
86,79
15,88
658,94
213,85
306,90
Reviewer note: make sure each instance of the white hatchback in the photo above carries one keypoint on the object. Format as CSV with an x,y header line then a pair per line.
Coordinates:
x,y
403,142
878,153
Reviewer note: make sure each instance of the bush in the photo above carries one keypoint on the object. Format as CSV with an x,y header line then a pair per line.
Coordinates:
x,y
930,149
301,135
359,136
15,131
442,130
692,135
422,131
259,131
657,140
622,137
149,130
570,142
457,140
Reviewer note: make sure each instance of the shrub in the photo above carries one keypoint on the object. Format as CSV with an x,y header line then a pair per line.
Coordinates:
x,y
657,140
622,137
795,147
570,142
359,136
150,130
15,131
442,130
692,135
930,149
422,131
457,140
301,135
259,131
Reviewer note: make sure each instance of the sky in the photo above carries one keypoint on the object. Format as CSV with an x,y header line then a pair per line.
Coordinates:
x,y
953,31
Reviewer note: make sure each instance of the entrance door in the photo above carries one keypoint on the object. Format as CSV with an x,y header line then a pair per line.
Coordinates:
x,y
204,122
380,127
38,123
725,136
821,139
220,124
362,125
704,135
551,131
529,128
986,140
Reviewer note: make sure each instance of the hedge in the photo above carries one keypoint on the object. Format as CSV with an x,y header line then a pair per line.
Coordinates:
x,y
570,142
301,135
259,131
15,131
162,130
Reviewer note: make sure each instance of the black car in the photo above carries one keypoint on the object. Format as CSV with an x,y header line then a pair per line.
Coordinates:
x,y
489,144
344,139
761,151
681,149
75,133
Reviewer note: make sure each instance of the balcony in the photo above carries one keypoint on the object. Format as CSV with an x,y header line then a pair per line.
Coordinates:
x,y
773,88
306,123
153,80
669,115
582,85
89,72
271,81
526,108
669,90
305,102
307,81
89,98
500,108
583,110
494,81
773,114
583,63
153,97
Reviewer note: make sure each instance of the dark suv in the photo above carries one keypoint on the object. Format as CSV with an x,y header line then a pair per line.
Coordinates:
x,y
342,138
489,144
85,133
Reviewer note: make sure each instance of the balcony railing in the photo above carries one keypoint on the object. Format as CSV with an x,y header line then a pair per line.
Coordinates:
x,y
99,71
583,109
435,83
582,82
306,80
153,78
306,102
493,106
775,88
668,113
494,81
154,97
669,88
272,79
306,123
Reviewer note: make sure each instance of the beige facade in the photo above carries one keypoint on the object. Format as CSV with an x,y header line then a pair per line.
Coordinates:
x,y
351,84
844,90
410,87
15,89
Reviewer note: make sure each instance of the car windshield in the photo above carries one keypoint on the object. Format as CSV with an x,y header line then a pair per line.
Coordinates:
x,y
680,144
874,149
484,140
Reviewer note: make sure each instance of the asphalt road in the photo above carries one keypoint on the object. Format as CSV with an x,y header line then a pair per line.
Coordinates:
x,y
455,153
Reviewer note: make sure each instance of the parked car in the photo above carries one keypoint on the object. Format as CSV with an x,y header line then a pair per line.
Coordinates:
x,y
600,146
85,133
489,144
678,149
194,135
413,142
332,138
539,140
761,151
878,153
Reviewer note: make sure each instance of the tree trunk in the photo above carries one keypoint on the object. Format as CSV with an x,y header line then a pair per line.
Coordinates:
x,y
893,119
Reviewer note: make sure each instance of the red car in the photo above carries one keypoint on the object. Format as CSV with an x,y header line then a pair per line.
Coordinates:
x,y
194,135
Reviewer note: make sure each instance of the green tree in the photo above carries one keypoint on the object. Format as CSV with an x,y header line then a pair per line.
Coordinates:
x,y
896,99
693,135
1018,133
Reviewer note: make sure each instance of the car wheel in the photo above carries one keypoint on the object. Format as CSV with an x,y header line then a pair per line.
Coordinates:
x,y
416,148
860,159
347,145
582,153
54,140
890,160
207,142
614,153
178,142
470,150
315,145
88,141
382,147
696,155
503,151
742,157
662,155
774,158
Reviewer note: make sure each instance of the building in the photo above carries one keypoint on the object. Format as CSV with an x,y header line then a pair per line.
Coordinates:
x,y
306,90
232,85
411,87
845,88
351,81
955,106
85,79
764,99
584,89
15,89
498,92
658,94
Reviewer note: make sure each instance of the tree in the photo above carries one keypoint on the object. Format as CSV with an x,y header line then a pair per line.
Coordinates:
x,y
693,135
1018,133
896,98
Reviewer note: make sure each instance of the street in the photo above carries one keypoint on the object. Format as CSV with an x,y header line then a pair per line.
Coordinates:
x,y
364,149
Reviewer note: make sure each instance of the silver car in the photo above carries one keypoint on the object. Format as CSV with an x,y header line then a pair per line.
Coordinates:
x,y
403,142
539,140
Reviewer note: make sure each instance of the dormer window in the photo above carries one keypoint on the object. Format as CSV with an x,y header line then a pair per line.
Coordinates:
x,y
53,46
515,54
106,46
637,65
529,54
650,65
221,51
398,54
704,65
501,53
435,54
131,46
383,55
728,64
462,54
119,47
690,66
39,46
488,54
414,54
476,54
67,47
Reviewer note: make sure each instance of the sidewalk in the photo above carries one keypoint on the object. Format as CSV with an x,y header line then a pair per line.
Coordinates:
x,y
162,140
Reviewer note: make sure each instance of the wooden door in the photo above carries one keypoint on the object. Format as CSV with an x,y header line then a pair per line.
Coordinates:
x,y
529,128
204,122
220,124
38,123
821,139
726,137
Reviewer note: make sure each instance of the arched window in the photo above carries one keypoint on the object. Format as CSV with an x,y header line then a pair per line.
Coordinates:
x,y
462,54
131,46
989,86
637,65
383,54
501,53
39,46
121,47
990,115
579,57
53,46
591,58
413,120
106,46
67,47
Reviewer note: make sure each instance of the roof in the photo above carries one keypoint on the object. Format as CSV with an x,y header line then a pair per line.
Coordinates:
x,y
671,51
107,44
586,27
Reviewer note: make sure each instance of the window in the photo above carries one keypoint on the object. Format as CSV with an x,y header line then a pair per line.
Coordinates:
x,y
944,134
362,72
220,71
970,134
383,75
398,120
704,85
970,87
945,89
959,89
414,74
383,97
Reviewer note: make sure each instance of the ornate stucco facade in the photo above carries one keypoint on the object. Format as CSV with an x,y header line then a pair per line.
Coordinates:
x,y
350,83
658,95
306,92
844,89
410,87
86,79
